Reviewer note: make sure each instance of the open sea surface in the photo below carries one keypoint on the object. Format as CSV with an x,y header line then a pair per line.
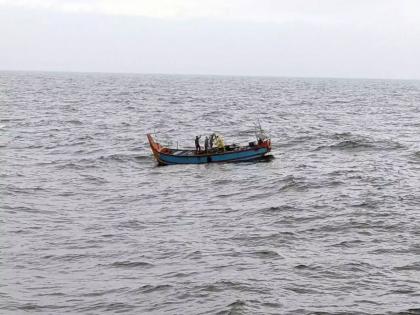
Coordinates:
x,y
90,225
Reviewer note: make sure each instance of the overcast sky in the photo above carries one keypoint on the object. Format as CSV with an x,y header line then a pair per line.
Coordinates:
x,y
324,38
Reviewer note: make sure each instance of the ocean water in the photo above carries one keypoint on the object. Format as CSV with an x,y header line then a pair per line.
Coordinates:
x,y
90,225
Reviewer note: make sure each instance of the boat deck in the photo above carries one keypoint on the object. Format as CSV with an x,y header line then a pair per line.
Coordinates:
x,y
191,152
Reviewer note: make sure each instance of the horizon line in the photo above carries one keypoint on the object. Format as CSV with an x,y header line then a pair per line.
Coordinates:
x,y
209,74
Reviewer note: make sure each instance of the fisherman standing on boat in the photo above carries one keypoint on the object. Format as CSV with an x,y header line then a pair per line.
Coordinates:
x,y
212,137
197,144
206,144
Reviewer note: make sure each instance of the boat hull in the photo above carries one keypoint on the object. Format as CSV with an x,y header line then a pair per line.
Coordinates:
x,y
166,159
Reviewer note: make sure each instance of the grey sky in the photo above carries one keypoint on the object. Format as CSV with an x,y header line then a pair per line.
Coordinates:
x,y
324,38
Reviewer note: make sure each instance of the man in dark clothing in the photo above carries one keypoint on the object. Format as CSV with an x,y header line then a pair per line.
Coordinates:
x,y
206,144
197,144
212,136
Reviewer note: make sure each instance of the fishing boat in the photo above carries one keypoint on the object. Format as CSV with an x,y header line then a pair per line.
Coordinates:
x,y
227,153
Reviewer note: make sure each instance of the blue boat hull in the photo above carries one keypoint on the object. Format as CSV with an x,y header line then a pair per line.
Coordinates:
x,y
236,156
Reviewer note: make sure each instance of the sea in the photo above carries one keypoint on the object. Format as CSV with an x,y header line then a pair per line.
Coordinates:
x,y
89,224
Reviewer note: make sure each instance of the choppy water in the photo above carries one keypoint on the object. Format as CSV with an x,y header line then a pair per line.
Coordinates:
x,y
90,225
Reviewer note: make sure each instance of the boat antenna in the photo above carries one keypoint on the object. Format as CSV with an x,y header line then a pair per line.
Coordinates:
x,y
259,131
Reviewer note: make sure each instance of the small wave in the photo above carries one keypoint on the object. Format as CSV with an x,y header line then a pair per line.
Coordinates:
x,y
351,144
349,141
23,190
119,157
95,179
410,267
132,224
369,204
265,253
68,257
347,244
131,264
355,267
279,208
222,181
116,307
31,307
307,268
302,290
143,157
11,119
346,145
70,165
292,183
102,292
194,255
410,311
85,137
296,141
148,288
237,307
265,158
74,122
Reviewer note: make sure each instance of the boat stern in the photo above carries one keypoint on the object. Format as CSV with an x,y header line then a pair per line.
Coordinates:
x,y
266,143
